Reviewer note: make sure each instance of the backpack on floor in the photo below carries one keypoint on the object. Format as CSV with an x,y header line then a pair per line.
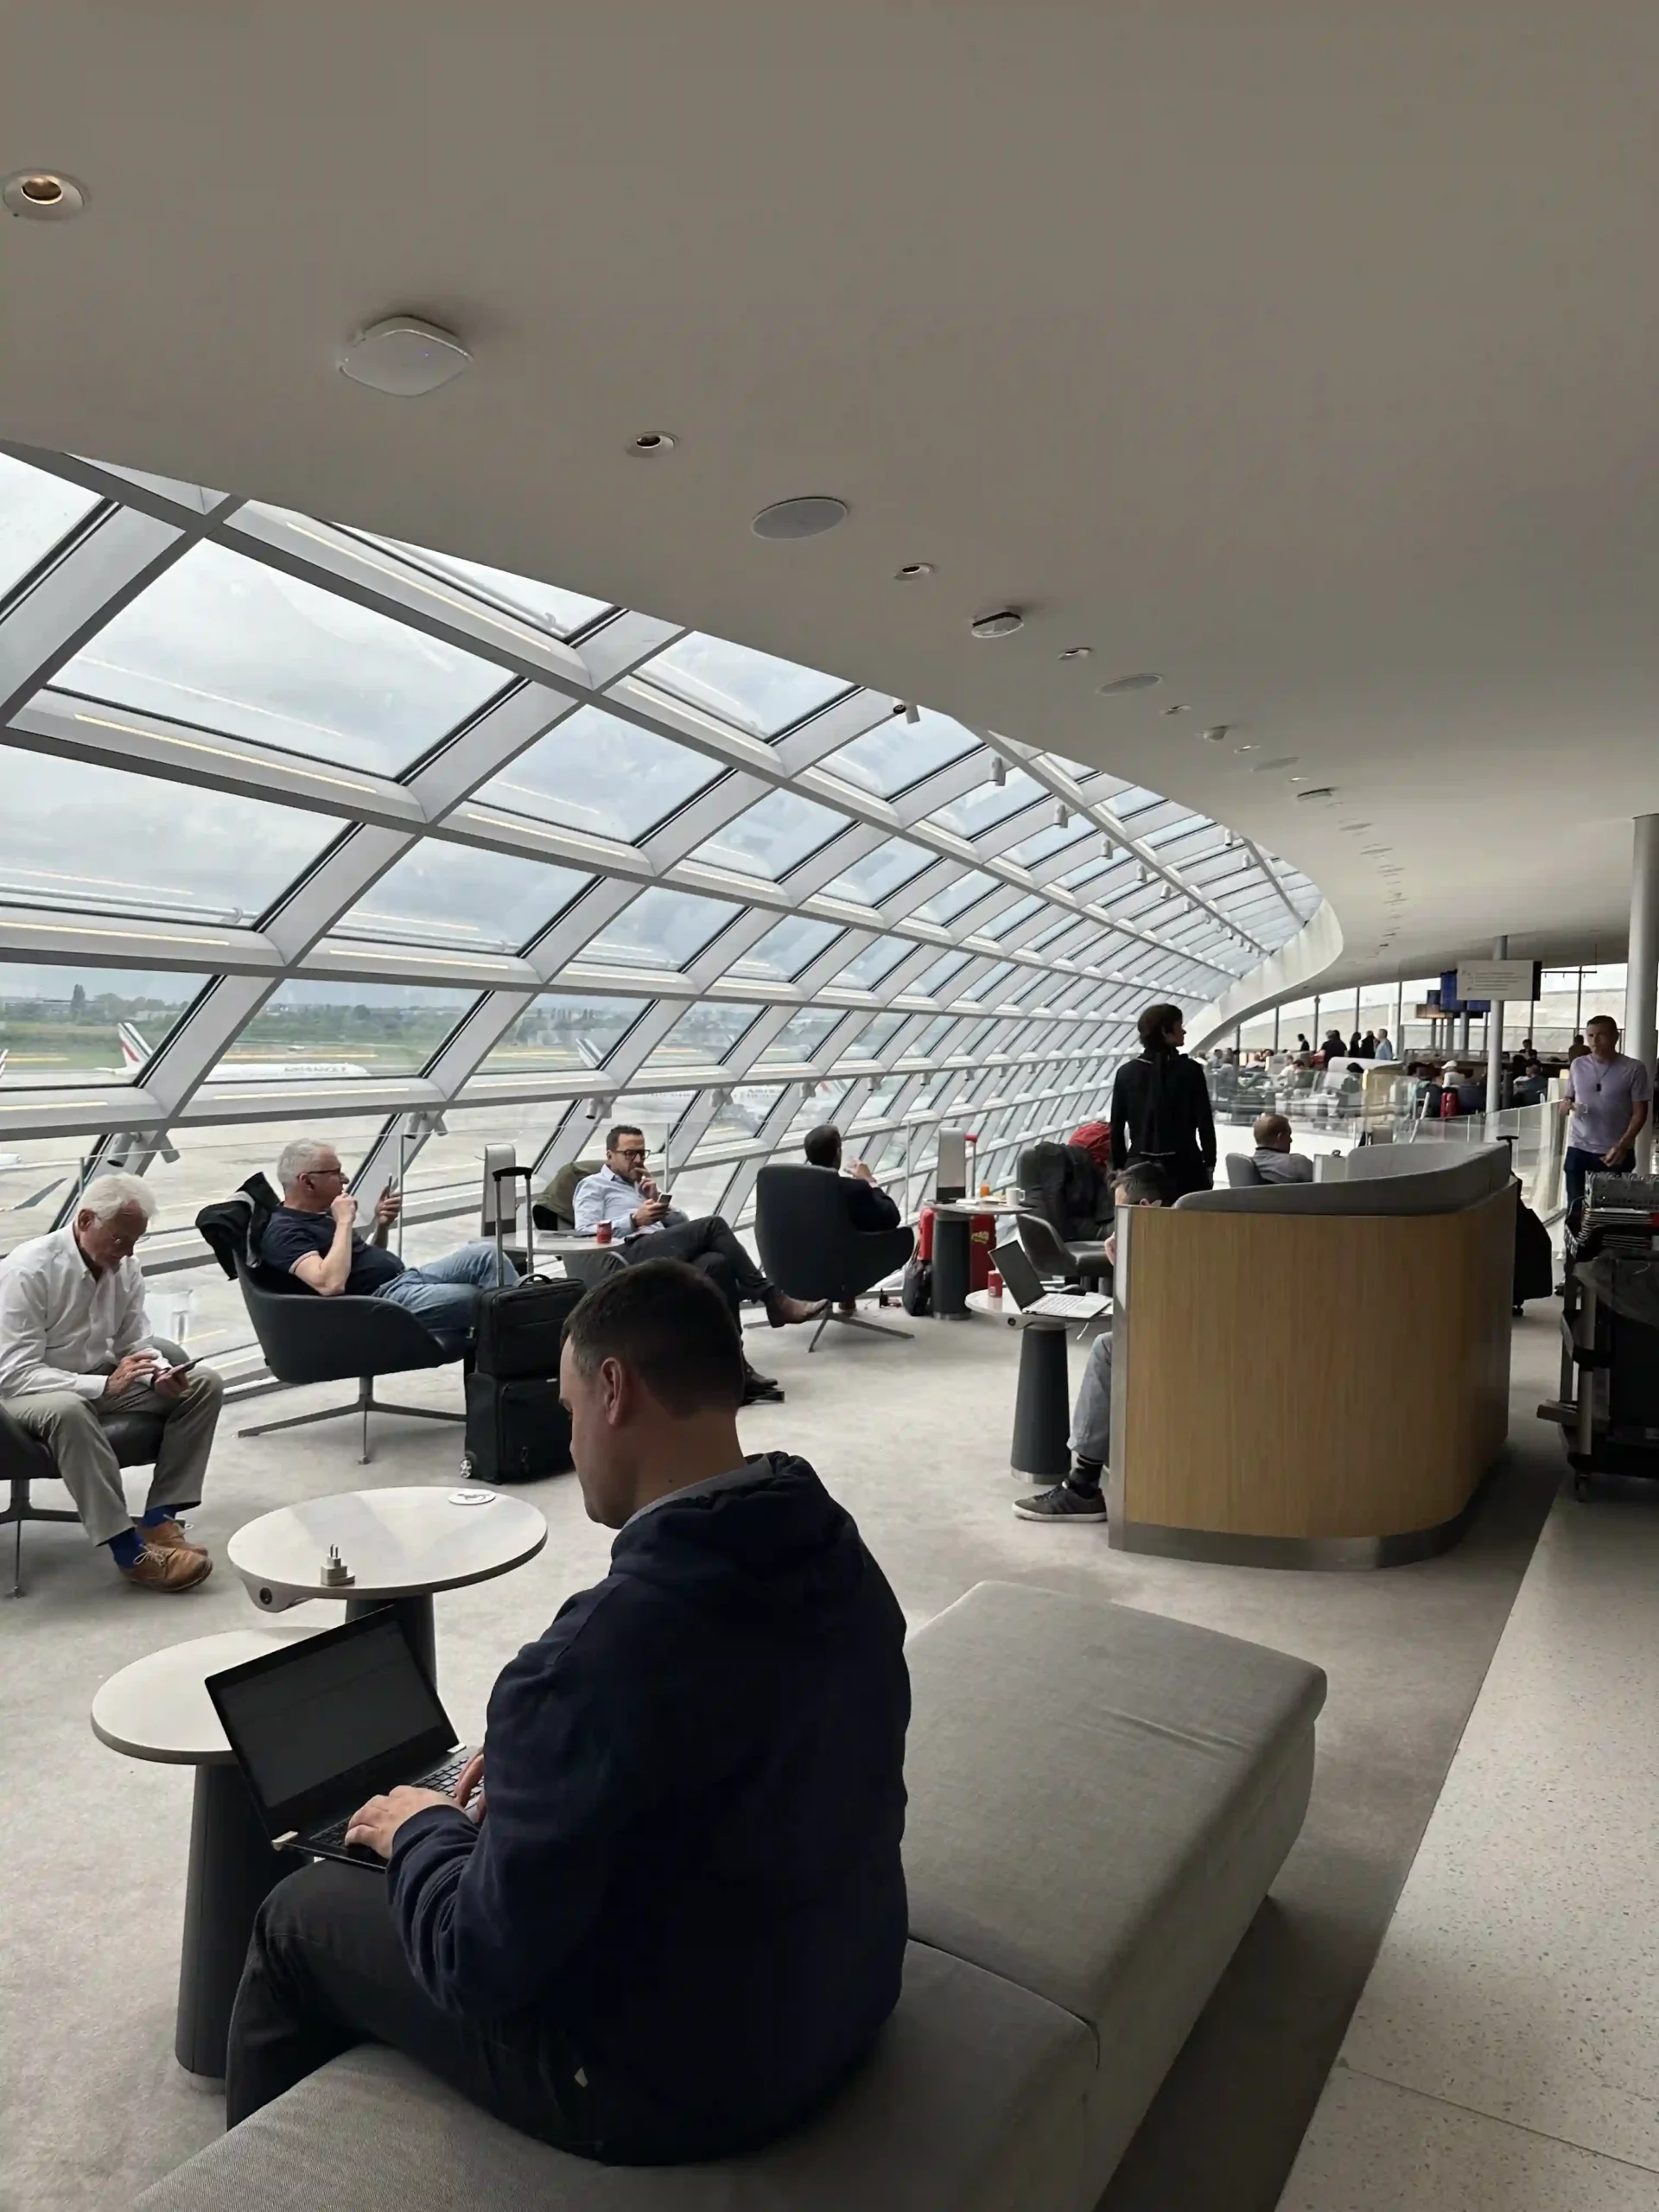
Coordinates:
x,y
1535,1261
916,1290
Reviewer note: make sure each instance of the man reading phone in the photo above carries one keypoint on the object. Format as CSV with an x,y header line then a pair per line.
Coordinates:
x,y
313,1236
75,1351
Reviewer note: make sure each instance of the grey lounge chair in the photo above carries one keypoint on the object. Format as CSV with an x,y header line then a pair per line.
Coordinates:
x,y
810,1249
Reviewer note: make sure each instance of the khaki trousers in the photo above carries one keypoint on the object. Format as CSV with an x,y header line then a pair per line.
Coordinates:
x,y
72,1429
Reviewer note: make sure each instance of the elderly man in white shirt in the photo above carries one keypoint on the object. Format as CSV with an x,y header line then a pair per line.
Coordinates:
x,y
74,1350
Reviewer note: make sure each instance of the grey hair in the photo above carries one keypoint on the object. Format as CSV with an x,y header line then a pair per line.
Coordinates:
x,y
105,1195
298,1158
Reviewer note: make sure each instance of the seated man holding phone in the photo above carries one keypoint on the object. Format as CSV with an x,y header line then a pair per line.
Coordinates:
x,y
74,1349
313,1237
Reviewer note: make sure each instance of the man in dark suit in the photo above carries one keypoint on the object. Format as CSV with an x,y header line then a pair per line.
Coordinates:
x,y
868,1205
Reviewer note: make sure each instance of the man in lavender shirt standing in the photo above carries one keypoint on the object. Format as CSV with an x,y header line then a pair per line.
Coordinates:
x,y
1607,1096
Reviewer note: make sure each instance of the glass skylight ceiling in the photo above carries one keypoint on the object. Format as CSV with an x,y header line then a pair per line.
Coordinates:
x,y
224,804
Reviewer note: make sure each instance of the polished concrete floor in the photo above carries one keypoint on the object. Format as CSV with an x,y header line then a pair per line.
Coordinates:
x,y
911,1437
1504,2057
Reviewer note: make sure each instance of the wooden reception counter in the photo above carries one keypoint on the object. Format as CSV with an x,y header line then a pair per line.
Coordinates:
x,y
1314,1375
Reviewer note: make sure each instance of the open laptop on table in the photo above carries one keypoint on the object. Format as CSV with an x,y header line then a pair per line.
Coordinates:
x,y
1023,1280
329,1721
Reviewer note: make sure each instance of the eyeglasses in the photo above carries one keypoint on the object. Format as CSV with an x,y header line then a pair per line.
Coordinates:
x,y
630,1151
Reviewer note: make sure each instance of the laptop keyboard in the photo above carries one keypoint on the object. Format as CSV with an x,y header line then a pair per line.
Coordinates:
x,y
442,1778
1071,1306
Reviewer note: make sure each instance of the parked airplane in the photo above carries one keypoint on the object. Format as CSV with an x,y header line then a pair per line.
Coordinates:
x,y
136,1054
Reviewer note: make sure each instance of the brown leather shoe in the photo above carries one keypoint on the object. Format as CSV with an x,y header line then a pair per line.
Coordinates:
x,y
169,1536
178,1569
781,1310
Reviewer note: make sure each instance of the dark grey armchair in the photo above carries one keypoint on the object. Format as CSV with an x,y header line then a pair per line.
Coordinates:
x,y
308,1339
809,1248
1243,1173
24,1460
1052,1254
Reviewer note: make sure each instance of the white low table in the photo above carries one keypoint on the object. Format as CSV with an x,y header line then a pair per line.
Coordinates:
x,y
399,1546
158,1708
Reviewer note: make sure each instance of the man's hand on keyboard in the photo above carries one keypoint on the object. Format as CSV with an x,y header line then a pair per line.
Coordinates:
x,y
469,1789
377,1823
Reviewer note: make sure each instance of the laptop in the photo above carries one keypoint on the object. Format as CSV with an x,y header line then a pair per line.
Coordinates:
x,y
328,1721
1023,1280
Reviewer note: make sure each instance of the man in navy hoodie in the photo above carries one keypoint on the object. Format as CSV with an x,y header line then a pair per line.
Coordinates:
x,y
663,1917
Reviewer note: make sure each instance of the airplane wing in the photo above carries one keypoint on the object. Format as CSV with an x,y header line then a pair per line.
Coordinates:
x,y
22,1205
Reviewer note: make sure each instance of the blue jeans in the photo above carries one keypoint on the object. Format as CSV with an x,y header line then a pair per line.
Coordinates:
x,y
444,1293
1576,1165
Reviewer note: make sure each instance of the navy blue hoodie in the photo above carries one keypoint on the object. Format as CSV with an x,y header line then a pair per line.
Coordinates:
x,y
689,1867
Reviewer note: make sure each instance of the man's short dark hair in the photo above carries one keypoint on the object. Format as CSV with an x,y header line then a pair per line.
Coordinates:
x,y
822,1146
614,1136
1142,1184
1156,1023
667,1322
1601,1021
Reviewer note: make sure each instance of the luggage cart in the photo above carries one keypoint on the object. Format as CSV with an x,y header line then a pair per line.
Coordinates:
x,y
1608,1409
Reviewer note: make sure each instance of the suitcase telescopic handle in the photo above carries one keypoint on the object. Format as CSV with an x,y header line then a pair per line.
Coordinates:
x,y
498,1176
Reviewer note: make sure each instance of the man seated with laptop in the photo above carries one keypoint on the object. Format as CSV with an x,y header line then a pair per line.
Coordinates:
x,y
662,1916
1080,1496
313,1237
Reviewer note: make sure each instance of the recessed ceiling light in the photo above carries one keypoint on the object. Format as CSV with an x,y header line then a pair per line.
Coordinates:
x,y
648,444
1269,768
1175,710
404,356
1245,746
1315,791
1141,683
1216,734
1353,828
1001,624
44,195
1376,849
807,517
912,570
1076,652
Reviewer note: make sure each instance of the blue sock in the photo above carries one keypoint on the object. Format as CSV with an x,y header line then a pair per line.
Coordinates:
x,y
125,1548
155,1515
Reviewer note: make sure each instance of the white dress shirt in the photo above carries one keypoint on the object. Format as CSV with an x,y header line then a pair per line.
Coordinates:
x,y
610,1197
61,1327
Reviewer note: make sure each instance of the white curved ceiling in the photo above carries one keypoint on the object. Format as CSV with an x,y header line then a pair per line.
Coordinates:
x,y
1303,355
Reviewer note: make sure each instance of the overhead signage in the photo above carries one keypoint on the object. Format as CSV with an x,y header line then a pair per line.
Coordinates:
x,y
1499,978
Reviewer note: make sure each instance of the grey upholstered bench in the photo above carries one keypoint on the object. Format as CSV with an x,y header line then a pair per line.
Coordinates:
x,y
1099,1800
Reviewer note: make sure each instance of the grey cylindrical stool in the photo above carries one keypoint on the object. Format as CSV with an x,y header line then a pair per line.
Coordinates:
x,y
232,1869
1042,1408
950,1259
419,1626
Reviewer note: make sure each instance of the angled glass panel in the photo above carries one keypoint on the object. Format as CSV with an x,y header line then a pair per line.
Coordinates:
x,y
230,644
878,873
545,605
1011,917
1047,842
595,773
788,947
934,1031
659,929
822,1106
37,511
564,1033
98,1027
705,1032
987,987
897,754
772,837
988,803
738,1117
956,897
871,1040
802,1034
212,1162
932,979
450,1167
878,958
1133,799
759,693
1090,873
101,840
338,1031
461,895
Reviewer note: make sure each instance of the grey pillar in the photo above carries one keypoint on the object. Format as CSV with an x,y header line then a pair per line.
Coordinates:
x,y
1276,1012
1494,1039
1463,1036
1642,975
1400,1017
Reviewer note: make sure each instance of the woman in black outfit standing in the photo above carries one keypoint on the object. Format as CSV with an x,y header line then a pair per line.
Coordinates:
x,y
1160,1107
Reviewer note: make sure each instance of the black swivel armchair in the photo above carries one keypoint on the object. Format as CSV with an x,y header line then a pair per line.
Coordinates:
x,y
24,1460
809,1248
308,1339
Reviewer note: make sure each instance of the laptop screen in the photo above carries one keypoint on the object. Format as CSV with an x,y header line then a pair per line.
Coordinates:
x,y
1019,1273
329,1714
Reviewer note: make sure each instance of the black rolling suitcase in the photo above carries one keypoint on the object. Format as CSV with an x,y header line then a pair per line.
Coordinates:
x,y
516,1427
1534,1261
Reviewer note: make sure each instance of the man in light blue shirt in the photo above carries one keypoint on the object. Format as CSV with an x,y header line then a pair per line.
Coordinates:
x,y
644,1226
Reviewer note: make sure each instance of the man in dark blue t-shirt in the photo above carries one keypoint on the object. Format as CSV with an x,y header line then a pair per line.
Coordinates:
x,y
312,1236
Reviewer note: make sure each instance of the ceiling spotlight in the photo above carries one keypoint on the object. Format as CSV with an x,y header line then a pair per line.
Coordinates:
x,y
1145,873
803,518
1076,652
1003,623
1143,682
1176,710
999,770
44,195
1315,791
1216,732
911,571
1107,847
649,443
403,357
1244,747
1062,815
